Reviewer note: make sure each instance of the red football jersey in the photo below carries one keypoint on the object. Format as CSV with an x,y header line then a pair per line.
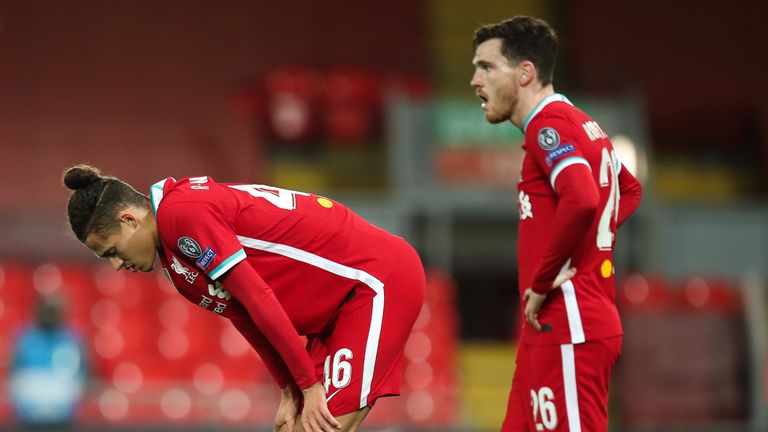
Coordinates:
x,y
309,250
559,136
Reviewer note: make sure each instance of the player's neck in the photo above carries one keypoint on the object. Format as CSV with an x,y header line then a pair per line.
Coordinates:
x,y
530,98
151,220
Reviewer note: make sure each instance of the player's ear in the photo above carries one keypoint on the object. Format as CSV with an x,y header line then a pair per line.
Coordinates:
x,y
126,216
526,72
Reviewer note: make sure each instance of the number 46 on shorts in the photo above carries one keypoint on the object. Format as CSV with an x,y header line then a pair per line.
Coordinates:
x,y
340,372
544,411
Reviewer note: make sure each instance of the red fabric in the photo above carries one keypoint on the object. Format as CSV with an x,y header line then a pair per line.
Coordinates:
x,y
542,372
571,194
402,298
631,192
578,200
284,260
269,330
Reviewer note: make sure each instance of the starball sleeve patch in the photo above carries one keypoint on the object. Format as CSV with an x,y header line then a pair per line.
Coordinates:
x,y
548,138
189,247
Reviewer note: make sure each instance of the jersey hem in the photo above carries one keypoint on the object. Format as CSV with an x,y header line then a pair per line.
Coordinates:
x,y
558,341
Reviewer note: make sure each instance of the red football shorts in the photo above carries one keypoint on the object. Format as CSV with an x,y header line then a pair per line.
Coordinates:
x,y
361,356
562,387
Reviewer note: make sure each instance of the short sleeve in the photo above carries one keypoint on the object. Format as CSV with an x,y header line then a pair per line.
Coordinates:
x,y
199,232
553,144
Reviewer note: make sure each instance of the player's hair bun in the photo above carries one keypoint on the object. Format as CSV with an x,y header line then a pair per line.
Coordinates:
x,y
80,176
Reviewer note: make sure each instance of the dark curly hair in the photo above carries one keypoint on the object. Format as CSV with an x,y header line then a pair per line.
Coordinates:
x,y
524,38
96,199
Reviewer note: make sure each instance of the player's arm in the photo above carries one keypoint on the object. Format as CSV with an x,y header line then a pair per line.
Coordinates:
x,y
223,259
553,143
269,317
271,358
247,286
287,412
578,200
630,192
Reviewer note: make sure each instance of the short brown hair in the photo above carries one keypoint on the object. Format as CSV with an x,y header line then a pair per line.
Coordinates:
x,y
524,38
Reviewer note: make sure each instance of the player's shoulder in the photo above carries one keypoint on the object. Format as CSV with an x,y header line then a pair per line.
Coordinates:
x,y
181,209
549,128
191,190
554,115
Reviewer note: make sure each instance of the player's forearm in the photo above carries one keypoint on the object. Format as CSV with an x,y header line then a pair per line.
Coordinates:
x,y
575,213
271,358
568,227
271,320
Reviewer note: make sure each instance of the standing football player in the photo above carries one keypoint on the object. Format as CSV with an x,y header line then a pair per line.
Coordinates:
x,y
278,264
573,194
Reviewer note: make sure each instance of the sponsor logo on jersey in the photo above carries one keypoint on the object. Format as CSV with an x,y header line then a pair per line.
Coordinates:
x,y
330,396
561,151
179,268
606,269
189,247
549,139
206,259
216,289
524,202
207,302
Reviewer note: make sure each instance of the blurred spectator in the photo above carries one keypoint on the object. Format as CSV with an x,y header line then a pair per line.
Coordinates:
x,y
48,373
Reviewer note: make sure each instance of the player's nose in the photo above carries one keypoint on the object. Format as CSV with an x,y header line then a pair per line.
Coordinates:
x,y
475,81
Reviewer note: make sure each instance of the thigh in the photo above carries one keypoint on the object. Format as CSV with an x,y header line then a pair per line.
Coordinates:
x,y
517,418
361,357
568,385
594,364
349,422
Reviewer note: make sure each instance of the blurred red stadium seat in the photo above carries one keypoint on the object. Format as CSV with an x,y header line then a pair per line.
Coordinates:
x,y
155,357
683,351
642,291
710,293
429,393
16,296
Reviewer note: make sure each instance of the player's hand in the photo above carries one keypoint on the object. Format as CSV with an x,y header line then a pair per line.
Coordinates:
x,y
315,416
285,419
564,276
534,300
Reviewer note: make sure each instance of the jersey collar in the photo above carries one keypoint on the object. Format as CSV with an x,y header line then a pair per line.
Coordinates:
x,y
557,97
156,193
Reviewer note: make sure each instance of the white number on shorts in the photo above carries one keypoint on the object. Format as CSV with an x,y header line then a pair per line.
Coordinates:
x,y
544,407
341,373
281,198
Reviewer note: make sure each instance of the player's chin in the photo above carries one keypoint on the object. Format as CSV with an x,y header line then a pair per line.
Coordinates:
x,y
148,267
493,118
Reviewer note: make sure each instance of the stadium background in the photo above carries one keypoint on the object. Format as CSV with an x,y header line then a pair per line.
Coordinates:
x,y
369,102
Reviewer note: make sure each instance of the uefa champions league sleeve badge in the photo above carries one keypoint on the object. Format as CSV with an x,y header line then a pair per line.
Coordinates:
x,y
548,138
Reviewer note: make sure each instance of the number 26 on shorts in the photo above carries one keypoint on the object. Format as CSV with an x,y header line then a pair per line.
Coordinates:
x,y
544,411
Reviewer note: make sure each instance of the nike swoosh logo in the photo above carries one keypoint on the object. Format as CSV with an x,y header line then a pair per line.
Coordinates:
x,y
332,395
